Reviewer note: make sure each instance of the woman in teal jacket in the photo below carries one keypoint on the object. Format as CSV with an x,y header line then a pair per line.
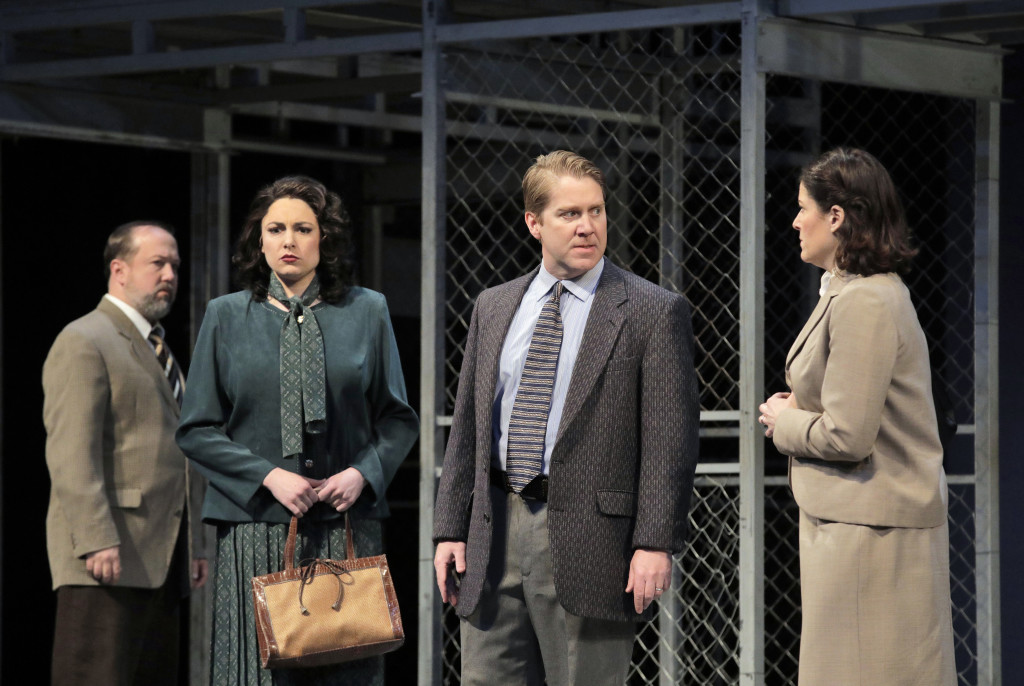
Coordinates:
x,y
295,405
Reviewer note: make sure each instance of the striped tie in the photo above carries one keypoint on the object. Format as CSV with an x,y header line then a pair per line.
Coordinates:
x,y
529,422
167,362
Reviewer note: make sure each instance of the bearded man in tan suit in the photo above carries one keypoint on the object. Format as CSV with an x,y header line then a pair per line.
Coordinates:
x,y
118,523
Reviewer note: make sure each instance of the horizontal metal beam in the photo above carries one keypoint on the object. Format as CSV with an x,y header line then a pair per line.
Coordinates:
x,y
524,105
413,123
302,151
333,88
30,129
78,13
884,60
589,23
974,25
86,135
383,14
719,415
961,479
153,117
718,468
705,416
211,57
1011,37
812,8
938,13
334,115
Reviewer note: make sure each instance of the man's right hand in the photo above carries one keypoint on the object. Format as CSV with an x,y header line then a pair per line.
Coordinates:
x,y
104,565
295,492
449,554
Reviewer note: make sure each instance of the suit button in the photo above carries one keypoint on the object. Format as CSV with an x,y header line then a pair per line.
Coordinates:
x,y
309,464
487,519
177,513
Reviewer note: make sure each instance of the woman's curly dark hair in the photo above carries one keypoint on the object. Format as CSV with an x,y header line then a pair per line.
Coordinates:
x,y
335,268
874,237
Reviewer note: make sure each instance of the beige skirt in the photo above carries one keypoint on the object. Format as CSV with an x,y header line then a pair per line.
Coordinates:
x,y
875,604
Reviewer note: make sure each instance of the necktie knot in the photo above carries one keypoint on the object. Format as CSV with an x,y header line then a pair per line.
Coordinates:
x,y
556,295
296,308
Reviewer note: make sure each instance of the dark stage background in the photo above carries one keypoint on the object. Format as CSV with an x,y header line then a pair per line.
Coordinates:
x,y
58,202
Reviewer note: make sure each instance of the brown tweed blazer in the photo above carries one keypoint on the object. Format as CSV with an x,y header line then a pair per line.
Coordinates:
x,y
623,463
863,439
117,477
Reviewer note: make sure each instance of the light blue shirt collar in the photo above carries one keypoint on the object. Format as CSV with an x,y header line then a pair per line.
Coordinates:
x,y
583,286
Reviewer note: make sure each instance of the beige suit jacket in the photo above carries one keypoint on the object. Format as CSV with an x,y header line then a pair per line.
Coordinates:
x,y
863,440
117,476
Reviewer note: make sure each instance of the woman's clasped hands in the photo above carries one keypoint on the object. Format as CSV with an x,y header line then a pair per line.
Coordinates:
x,y
299,493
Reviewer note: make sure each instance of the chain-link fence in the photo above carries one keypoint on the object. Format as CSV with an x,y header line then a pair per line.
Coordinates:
x,y
659,112
927,143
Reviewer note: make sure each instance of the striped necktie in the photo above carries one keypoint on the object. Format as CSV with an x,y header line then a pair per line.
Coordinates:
x,y
528,424
167,362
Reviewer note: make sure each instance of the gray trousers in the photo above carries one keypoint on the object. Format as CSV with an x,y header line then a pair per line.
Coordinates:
x,y
519,634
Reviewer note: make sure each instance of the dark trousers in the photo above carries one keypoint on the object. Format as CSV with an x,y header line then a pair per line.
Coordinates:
x,y
116,636
119,636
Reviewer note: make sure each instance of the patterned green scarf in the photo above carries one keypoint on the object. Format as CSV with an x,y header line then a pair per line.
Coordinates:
x,y
303,403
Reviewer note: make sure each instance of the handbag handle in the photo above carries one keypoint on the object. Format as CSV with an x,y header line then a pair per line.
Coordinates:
x,y
289,546
293,530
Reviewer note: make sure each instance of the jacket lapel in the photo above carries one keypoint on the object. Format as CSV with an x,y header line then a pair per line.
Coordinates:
x,y
606,317
494,325
140,350
817,313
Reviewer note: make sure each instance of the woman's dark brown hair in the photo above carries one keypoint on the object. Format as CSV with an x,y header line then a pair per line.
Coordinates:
x,y
335,268
874,237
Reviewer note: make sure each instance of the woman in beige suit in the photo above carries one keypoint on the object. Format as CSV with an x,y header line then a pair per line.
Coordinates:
x,y
866,463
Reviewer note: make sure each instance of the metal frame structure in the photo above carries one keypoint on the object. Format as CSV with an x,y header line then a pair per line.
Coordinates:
x,y
178,74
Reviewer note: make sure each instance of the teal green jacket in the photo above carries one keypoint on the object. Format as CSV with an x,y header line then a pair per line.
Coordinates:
x,y
231,418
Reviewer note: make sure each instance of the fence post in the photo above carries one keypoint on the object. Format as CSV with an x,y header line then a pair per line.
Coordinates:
x,y
751,441
432,311
986,392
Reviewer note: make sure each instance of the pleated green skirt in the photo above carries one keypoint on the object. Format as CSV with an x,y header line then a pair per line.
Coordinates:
x,y
248,549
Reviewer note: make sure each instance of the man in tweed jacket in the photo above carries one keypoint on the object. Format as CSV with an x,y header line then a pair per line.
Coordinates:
x,y
553,578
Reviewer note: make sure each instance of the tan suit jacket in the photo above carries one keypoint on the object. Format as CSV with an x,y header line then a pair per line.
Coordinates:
x,y
117,476
863,440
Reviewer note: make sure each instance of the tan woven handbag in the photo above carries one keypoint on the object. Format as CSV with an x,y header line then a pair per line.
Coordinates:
x,y
328,611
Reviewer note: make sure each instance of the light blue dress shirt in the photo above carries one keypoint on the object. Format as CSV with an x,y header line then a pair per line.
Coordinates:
x,y
577,298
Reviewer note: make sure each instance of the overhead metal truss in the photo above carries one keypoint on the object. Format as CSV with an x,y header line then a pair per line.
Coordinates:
x,y
347,62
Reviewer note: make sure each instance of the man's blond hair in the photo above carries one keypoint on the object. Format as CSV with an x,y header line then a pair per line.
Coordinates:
x,y
542,174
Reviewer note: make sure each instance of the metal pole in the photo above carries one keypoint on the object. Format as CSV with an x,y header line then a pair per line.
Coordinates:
x,y
1,406
671,179
432,310
751,443
211,186
986,393
209,278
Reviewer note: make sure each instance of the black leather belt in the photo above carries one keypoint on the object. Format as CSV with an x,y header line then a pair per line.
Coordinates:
x,y
535,490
